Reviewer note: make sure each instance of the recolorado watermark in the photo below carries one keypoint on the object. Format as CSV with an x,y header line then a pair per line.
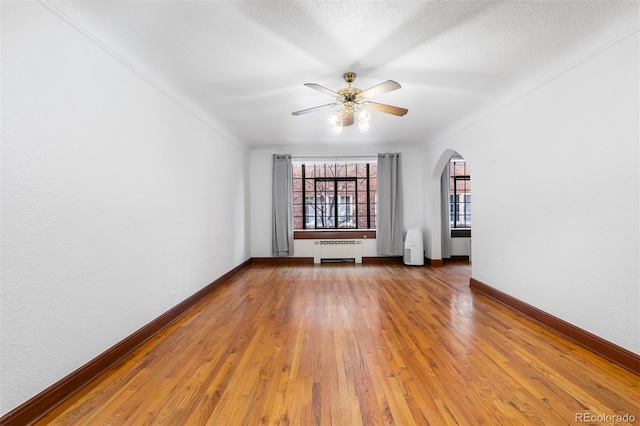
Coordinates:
x,y
587,417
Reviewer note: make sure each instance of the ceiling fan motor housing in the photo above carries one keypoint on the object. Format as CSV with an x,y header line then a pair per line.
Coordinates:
x,y
349,94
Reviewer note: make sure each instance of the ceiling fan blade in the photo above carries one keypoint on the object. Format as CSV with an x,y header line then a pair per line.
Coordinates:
x,y
347,117
323,89
308,110
387,86
389,109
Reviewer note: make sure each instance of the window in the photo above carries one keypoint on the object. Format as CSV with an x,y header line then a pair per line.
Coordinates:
x,y
459,193
334,195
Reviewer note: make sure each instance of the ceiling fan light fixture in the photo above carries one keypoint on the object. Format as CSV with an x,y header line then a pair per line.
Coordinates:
x,y
354,103
335,119
364,116
363,119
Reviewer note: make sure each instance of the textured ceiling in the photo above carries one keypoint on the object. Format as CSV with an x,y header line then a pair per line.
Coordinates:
x,y
241,65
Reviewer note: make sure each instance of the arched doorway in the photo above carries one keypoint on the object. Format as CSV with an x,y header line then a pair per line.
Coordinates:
x,y
451,208
456,190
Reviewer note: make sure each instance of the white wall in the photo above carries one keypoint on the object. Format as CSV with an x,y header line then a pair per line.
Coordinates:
x,y
566,159
460,246
116,203
261,180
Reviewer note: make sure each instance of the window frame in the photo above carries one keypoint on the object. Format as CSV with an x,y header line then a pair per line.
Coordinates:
x,y
330,207
455,203
308,189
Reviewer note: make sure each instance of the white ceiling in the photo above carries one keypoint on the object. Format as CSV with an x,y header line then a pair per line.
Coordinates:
x,y
242,64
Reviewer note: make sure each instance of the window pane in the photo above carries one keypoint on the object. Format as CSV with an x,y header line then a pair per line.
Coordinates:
x,y
362,185
297,171
309,186
335,196
297,197
362,211
362,222
362,170
309,213
330,170
460,193
325,204
346,211
309,170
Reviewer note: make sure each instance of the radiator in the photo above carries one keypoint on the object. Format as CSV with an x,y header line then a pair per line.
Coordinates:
x,y
337,251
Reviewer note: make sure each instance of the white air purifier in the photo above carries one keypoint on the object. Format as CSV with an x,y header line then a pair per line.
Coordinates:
x,y
413,251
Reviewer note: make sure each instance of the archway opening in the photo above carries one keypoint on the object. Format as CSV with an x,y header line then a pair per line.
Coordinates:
x,y
456,193
450,211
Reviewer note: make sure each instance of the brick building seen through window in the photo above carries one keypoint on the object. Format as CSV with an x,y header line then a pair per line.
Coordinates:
x,y
459,193
334,195
344,195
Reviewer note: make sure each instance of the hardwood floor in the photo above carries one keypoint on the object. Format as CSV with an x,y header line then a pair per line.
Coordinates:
x,y
351,345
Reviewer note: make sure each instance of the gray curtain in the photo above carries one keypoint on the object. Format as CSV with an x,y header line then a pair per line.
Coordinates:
x,y
282,230
444,209
389,211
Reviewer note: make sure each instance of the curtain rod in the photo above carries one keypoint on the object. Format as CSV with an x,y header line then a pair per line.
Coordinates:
x,y
335,157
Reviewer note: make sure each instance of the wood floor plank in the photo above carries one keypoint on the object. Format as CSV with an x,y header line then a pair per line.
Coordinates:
x,y
353,345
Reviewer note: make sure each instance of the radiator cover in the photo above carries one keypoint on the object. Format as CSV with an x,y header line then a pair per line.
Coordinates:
x,y
337,251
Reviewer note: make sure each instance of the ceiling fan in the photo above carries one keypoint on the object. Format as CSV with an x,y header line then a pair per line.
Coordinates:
x,y
353,102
